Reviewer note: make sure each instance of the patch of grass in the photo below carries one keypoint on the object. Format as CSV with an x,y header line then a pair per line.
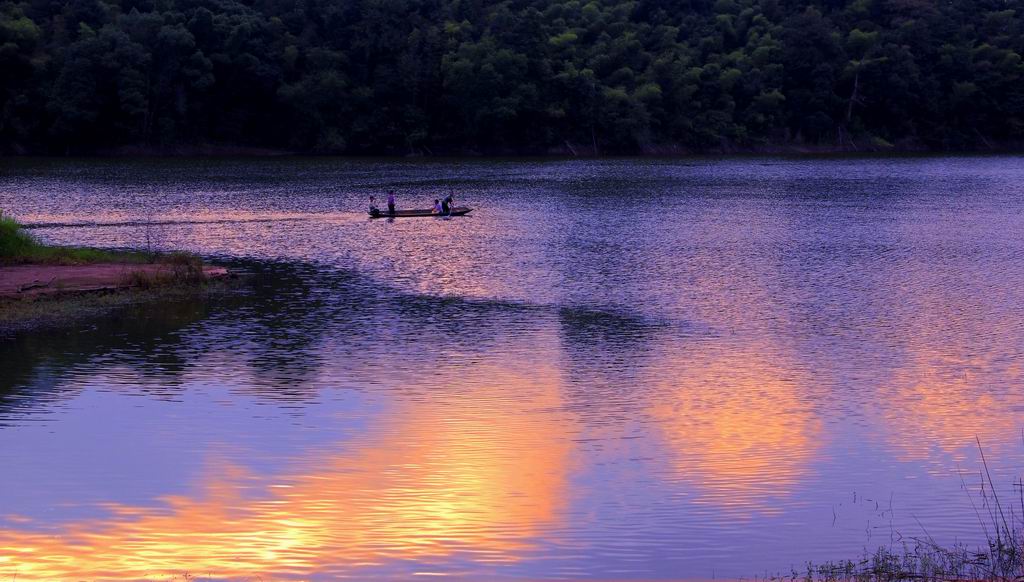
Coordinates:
x,y
919,560
185,268
924,560
19,247
176,269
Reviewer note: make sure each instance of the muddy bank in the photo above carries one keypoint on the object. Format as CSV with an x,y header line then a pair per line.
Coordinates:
x,y
45,296
31,281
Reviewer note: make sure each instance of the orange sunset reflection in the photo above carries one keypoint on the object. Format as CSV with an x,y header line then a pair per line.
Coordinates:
x,y
737,427
959,373
477,474
735,411
945,396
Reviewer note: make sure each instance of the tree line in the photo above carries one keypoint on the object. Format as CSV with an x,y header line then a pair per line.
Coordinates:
x,y
509,76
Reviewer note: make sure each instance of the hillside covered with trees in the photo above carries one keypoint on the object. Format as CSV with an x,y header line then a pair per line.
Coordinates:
x,y
509,76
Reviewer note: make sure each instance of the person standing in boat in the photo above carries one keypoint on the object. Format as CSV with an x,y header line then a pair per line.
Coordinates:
x,y
391,202
446,205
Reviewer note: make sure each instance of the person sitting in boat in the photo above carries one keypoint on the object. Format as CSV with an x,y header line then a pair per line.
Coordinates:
x,y
437,207
391,202
374,211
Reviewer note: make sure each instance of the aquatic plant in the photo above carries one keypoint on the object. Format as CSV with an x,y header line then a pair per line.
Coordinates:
x,y
922,559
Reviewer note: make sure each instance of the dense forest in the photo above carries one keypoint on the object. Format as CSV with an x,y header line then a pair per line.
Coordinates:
x,y
510,76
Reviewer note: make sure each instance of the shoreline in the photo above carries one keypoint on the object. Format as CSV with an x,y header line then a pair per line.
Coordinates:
x,y
53,286
72,312
32,281
40,297
568,151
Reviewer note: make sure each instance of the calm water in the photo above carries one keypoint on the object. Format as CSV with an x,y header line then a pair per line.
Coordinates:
x,y
617,369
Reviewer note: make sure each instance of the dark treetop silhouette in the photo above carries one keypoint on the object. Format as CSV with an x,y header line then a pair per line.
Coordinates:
x,y
516,76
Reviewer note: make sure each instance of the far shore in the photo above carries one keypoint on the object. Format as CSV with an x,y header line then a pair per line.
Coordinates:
x,y
570,150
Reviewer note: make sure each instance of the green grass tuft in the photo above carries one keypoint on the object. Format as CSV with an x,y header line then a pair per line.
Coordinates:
x,y
14,242
19,247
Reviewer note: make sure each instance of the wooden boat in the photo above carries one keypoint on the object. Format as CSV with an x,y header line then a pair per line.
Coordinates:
x,y
457,211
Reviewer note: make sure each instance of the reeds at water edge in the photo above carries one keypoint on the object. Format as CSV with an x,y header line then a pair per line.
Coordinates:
x,y
922,559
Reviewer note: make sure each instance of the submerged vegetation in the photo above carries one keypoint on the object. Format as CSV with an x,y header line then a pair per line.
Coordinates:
x,y
69,310
573,76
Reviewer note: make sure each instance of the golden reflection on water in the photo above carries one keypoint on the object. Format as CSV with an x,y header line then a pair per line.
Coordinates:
x,y
945,397
479,474
959,374
737,427
735,410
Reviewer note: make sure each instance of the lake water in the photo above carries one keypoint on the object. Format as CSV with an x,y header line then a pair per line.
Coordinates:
x,y
621,369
